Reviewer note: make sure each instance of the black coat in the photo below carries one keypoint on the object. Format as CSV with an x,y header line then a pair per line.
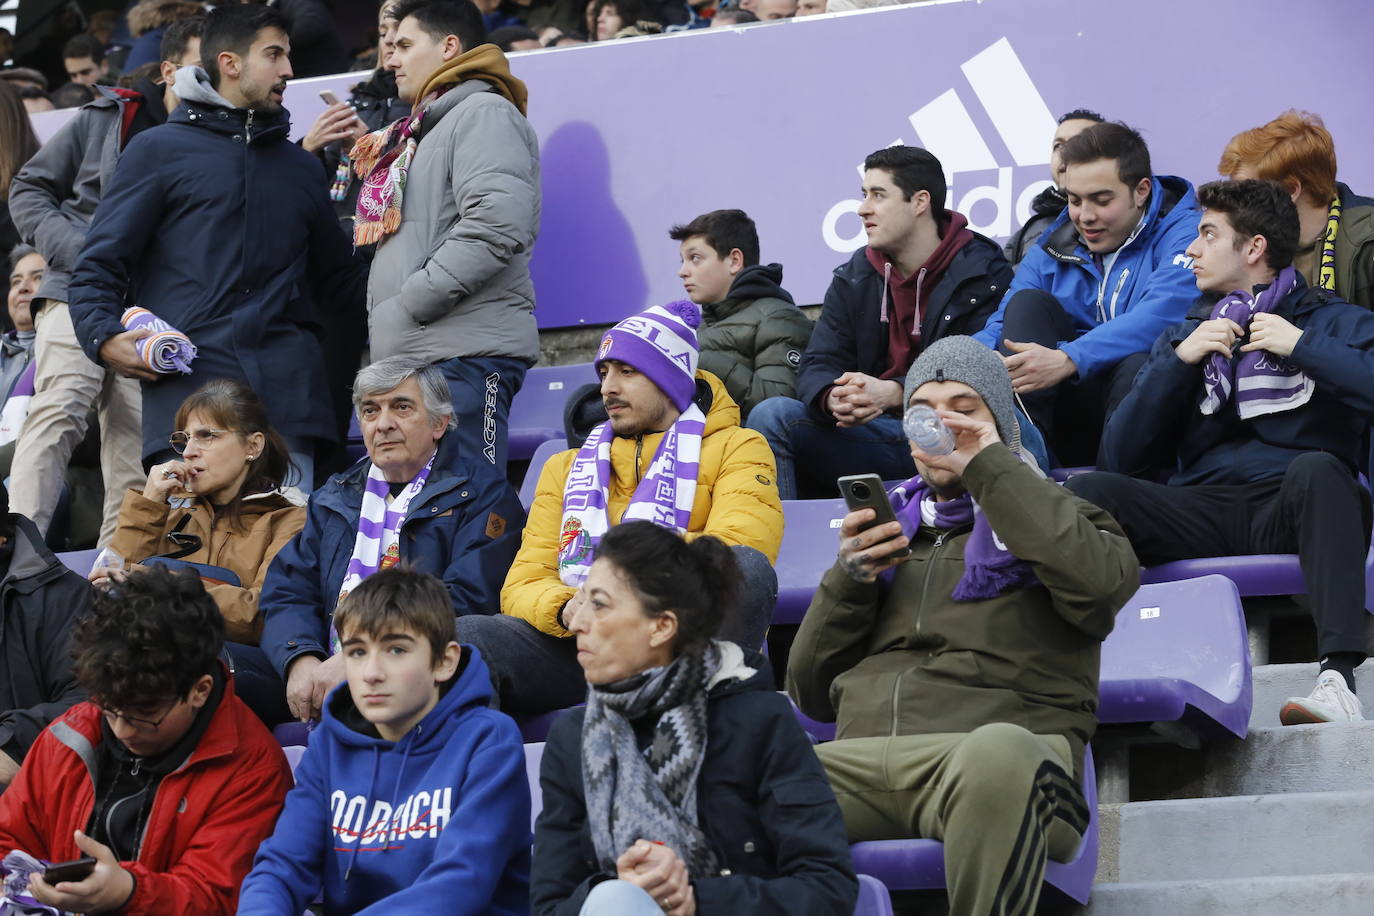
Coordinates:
x,y
223,228
763,801
1159,425
849,337
40,598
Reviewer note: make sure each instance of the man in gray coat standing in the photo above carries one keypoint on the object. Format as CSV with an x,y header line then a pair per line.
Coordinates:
x,y
452,198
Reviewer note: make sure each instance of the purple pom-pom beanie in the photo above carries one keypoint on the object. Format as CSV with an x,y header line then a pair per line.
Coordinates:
x,y
660,342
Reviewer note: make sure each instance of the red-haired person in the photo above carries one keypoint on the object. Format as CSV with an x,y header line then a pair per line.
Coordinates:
x,y
1335,225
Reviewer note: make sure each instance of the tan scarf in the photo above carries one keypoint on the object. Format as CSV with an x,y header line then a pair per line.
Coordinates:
x,y
382,158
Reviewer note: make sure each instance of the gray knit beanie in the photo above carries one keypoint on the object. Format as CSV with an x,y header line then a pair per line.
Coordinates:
x,y
963,359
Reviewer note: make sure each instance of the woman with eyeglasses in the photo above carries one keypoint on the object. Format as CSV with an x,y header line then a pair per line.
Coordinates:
x,y
219,505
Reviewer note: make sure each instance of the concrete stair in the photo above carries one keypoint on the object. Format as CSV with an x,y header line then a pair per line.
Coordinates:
x,y
1277,824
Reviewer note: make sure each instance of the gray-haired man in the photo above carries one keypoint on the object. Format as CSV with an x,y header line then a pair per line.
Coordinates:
x,y
416,500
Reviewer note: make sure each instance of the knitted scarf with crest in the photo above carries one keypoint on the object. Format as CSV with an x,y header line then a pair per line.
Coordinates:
x,y
382,158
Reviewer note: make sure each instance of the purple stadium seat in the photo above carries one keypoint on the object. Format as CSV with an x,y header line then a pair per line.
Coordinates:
x,y
810,538
354,445
914,865
79,561
1179,653
873,898
534,729
533,754
1256,575
546,450
292,734
536,412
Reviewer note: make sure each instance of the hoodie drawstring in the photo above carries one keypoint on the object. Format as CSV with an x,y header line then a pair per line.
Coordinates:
x,y
916,320
887,279
371,784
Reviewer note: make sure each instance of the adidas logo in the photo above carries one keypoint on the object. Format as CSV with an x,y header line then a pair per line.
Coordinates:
x,y
1022,125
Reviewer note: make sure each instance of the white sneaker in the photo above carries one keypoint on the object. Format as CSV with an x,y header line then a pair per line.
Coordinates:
x,y
1331,701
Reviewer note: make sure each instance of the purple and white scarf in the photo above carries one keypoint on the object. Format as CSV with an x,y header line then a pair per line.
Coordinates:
x,y
16,407
1261,382
989,567
664,496
165,350
377,545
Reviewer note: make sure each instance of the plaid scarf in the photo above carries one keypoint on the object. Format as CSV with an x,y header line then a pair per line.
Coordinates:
x,y
1326,272
989,567
1262,382
651,795
377,545
664,496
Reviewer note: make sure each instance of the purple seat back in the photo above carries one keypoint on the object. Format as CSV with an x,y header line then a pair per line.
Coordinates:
x,y
536,411
292,734
914,865
536,728
546,450
1254,575
810,538
873,898
534,754
79,561
1179,653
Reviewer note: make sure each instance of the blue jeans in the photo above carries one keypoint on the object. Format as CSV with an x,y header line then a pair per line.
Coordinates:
x,y
619,898
482,388
533,672
813,452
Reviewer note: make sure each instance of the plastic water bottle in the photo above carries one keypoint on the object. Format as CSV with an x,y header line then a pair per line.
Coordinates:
x,y
924,427
109,559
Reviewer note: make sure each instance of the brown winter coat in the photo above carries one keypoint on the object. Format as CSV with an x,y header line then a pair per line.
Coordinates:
x,y
266,522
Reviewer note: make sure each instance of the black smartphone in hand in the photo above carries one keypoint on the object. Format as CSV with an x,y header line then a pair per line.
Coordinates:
x,y
75,870
865,491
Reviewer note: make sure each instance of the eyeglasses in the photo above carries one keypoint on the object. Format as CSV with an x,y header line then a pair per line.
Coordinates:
x,y
205,438
146,724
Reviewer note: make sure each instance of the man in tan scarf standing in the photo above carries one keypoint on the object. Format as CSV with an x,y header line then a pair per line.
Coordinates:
x,y
451,196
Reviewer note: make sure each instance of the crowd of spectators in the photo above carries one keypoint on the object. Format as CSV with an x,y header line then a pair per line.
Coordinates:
x,y
186,304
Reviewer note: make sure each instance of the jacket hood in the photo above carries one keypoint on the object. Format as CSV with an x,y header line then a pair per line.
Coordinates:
x,y
153,14
739,671
484,67
201,103
469,687
758,281
1167,193
32,564
193,85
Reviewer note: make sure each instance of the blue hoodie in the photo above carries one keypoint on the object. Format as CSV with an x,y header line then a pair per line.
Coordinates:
x,y
1148,283
437,820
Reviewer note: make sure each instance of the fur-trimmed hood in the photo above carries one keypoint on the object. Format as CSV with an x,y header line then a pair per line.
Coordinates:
x,y
153,14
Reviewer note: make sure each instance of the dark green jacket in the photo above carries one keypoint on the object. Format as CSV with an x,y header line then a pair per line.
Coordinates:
x,y
753,340
909,660
1355,249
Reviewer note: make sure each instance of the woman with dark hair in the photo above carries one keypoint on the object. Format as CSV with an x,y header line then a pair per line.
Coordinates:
x,y
685,785
608,19
18,143
220,503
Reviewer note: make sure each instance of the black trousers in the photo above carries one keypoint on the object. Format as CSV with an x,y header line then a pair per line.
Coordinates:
x,y
1317,510
1072,414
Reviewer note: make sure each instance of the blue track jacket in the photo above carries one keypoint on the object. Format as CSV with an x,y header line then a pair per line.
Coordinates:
x,y
1146,287
436,822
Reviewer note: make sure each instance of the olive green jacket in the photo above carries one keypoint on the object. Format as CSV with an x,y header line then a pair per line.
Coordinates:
x,y
1355,249
908,659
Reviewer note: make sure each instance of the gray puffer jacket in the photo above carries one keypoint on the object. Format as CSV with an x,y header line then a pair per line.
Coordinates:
x,y
454,279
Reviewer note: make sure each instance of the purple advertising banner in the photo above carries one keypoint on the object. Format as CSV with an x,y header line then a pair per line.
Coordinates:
x,y
641,134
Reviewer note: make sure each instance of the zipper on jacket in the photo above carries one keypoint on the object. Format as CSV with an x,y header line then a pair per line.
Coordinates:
x,y
1125,272
896,690
248,127
639,449
925,581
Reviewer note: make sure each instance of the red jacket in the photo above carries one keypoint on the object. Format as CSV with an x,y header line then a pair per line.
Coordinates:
x,y
207,819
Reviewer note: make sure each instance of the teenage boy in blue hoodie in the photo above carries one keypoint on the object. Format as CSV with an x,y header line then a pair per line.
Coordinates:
x,y
413,790
1101,284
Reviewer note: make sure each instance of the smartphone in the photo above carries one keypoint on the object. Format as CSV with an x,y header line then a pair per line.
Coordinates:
x,y
329,97
75,870
865,491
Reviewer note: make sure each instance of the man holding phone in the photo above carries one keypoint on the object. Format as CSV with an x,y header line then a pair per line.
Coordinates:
x,y
967,671
164,779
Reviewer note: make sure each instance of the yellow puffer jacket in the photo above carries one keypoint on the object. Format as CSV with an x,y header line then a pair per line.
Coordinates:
x,y
736,501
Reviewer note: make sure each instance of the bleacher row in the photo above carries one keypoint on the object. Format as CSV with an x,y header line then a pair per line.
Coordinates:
x,y
1177,665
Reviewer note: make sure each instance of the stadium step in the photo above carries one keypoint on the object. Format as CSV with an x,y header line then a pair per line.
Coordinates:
x,y
1274,684
1252,855
1329,895
1295,759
